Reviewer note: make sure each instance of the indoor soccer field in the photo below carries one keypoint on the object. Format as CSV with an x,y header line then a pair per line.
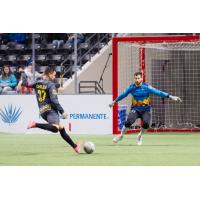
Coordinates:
x,y
158,149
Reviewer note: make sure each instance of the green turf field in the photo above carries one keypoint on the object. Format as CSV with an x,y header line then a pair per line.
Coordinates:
x,y
166,149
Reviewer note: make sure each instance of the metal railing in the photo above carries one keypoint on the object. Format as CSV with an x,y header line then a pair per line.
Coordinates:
x,y
88,52
90,87
97,46
79,57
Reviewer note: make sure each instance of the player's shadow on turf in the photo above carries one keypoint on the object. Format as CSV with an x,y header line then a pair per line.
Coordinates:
x,y
87,154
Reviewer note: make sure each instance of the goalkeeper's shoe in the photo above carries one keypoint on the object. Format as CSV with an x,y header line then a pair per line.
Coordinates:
x,y
32,124
77,149
118,138
139,139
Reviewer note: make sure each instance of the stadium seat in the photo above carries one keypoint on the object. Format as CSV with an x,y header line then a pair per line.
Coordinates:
x,y
13,69
55,57
41,57
11,92
88,57
50,46
67,46
37,46
101,45
18,47
98,46
1,58
25,57
84,45
37,36
4,47
11,58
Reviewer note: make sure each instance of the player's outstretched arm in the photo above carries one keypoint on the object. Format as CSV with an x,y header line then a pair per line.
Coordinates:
x,y
54,99
122,95
163,94
157,92
175,98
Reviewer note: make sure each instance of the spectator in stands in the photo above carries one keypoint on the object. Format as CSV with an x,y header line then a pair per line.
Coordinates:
x,y
58,43
19,73
29,73
80,39
58,39
7,80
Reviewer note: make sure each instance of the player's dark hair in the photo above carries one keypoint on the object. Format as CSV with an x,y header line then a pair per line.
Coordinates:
x,y
21,66
138,73
49,70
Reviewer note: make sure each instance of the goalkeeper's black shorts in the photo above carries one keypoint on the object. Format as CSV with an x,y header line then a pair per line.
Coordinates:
x,y
134,114
52,117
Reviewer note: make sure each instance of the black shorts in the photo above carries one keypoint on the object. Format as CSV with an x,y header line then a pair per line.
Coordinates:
x,y
134,114
52,117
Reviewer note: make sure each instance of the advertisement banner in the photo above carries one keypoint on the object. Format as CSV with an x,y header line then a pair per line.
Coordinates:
x,y
86,114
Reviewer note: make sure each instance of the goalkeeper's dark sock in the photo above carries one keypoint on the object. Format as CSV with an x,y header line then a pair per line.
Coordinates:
x,y
66,137
47,127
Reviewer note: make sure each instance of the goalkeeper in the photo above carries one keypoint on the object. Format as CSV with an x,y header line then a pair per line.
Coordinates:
x,y
140,107
49,106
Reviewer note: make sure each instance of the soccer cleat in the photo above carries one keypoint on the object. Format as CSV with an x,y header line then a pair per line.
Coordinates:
x,y
77,149
32,124
139,139
118,138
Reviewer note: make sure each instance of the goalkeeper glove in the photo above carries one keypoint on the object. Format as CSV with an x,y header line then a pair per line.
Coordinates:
x,y
175,98
112,104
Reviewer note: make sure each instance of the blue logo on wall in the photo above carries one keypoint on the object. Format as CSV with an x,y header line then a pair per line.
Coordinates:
x,y
11,114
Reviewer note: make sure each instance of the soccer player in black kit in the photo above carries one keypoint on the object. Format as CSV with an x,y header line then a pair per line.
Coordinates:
x,y
49,106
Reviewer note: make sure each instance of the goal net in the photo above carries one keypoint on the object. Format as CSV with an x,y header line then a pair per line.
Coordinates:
x,y
171,64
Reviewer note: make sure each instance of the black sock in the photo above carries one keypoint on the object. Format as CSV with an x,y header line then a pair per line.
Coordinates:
x,y
66,137
47,127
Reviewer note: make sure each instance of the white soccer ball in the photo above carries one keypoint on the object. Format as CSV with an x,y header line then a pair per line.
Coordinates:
x,y
89,147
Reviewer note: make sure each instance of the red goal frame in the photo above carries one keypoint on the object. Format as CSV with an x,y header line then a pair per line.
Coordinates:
x,y
149,39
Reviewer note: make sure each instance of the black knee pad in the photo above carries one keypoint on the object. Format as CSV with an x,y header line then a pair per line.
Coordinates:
x,y
145,125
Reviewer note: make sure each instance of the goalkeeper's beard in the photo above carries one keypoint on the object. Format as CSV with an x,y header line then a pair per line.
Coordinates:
x,y
138,83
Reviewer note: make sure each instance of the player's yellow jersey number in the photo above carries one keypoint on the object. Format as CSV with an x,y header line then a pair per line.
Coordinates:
x,y
41,95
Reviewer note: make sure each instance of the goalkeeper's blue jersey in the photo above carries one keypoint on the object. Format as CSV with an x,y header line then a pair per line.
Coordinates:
x,y
141,96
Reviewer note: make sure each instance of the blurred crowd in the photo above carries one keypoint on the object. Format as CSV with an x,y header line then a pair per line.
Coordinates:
x,y
10,81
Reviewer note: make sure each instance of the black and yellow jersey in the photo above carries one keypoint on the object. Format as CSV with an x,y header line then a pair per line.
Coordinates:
x,y
46,95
